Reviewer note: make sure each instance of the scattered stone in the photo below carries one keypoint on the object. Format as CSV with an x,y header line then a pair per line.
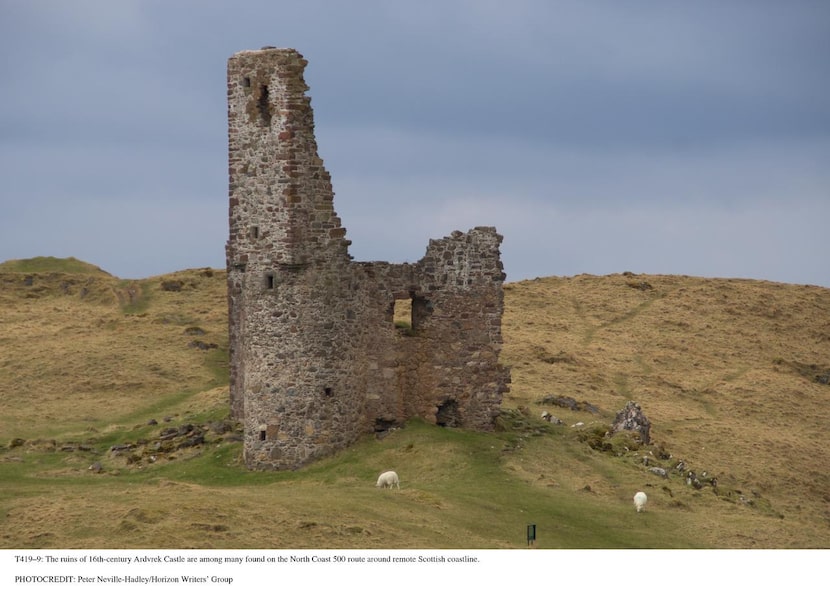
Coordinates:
x,y
699,482
220,427
96,467
172,439
662,453
171,286
201,345
551,419
659,471
569,403
73,446
169,433
191,441
643,286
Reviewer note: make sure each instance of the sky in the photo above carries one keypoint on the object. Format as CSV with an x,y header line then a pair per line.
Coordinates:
x,y
597,136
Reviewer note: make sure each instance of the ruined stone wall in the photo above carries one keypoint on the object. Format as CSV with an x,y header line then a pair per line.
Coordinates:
x,y
462,277
282,215
316,360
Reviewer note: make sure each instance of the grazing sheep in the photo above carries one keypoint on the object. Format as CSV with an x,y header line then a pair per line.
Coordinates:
x,y
640,500
388,479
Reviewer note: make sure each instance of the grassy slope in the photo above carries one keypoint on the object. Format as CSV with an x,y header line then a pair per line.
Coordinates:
x,y
722,369
725,370
50,264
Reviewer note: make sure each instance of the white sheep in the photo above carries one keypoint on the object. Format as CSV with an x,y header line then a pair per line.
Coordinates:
x,y
640,500
388,479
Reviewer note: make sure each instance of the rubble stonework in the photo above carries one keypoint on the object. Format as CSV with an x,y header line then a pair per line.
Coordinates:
x,y
315,358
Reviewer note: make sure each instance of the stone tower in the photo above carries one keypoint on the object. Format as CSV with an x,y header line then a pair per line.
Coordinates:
x,y
315,358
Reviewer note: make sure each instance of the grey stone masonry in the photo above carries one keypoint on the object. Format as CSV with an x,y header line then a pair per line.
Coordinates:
x,y
316,360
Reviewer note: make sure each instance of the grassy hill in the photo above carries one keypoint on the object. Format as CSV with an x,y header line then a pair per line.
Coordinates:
x,y
115,431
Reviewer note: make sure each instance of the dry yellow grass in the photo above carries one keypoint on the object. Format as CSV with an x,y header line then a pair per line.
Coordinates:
x,y
82,349
713,363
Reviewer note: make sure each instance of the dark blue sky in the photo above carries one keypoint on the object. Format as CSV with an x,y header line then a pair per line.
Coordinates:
x,y
597,136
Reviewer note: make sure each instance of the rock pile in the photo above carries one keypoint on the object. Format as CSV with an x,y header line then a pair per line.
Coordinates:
x,y
631,418
173,439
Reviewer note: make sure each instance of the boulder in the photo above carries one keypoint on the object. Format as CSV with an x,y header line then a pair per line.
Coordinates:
x,y
631,418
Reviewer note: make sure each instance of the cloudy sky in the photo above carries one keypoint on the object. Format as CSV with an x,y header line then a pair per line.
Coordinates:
x,y
598,136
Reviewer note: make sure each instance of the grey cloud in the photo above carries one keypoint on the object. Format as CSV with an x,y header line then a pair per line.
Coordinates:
x,y
590,133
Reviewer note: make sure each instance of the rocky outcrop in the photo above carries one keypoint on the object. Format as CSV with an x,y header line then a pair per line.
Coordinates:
x,y
631,418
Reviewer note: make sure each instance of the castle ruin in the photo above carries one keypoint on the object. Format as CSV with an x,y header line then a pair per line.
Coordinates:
x,y
316,360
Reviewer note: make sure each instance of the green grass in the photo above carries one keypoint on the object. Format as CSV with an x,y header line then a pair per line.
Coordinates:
x,y
457,493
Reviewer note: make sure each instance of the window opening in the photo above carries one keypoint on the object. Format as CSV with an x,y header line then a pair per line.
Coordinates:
x,y
421,310
410,314
328,392
402,314
384,425
269,281
246,82
254,231
263,106
262,435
